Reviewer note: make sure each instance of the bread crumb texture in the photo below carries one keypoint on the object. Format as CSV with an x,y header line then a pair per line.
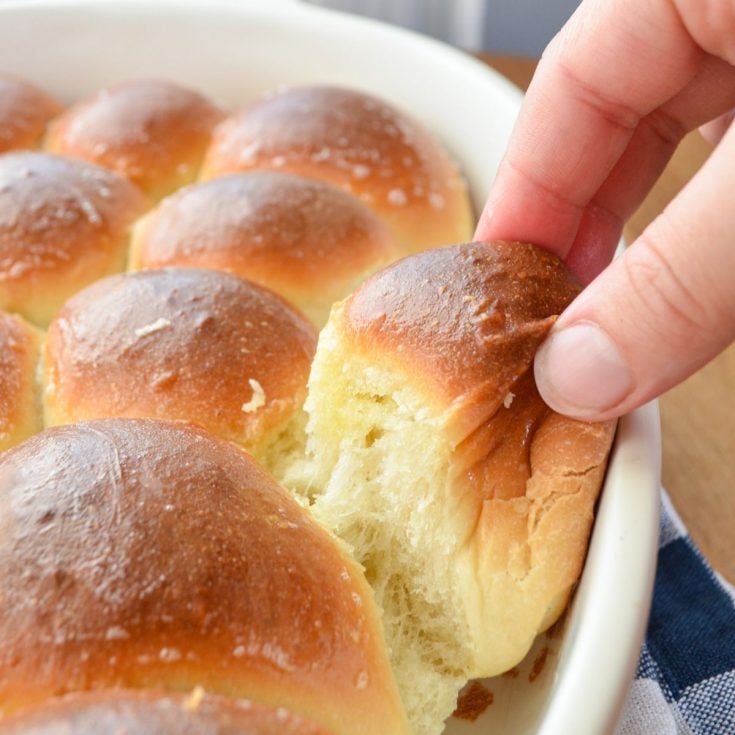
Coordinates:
x,y
468,502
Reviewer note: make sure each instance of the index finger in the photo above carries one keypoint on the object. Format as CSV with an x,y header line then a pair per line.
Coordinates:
x,y
614,63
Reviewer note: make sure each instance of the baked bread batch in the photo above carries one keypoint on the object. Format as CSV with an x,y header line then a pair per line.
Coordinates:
x,y
225,508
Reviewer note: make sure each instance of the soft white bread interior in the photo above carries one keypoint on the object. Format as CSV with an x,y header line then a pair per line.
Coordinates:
x,y
146,554
431,453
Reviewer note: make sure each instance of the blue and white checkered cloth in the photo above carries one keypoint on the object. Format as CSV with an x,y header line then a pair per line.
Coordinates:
x,y
685,682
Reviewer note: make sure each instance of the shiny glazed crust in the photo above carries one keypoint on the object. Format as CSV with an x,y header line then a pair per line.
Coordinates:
x,y
360,143
146,554
128,712
63,224
305,239
179,343
468,318
25,111
153,131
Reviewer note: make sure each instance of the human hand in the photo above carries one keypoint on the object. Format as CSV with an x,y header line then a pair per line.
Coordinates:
x,y
612,97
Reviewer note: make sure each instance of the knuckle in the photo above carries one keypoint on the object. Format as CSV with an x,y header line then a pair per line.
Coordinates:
x,y
667,128
673,309
614,112
553,196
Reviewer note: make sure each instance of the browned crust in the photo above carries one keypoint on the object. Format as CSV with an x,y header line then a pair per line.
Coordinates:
x,y
126,712
468,318
25,111
529,538
473,701
63,224
153,131
298,236
145,554
360,143
179,343
20,415
530,478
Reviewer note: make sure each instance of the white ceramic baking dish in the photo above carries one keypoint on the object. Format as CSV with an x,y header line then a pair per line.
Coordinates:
x,y
574,681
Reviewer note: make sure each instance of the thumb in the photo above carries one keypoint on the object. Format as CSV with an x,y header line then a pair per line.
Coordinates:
x,y
656,314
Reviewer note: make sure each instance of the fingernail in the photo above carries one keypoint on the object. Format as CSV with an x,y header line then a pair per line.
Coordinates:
x,y
581,372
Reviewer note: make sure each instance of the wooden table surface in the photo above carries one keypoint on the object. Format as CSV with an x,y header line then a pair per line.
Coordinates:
x,y
697,417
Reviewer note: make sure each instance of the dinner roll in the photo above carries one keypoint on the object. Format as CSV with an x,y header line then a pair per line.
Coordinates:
x,y
181,343
63,224
151,555
359,143
468,501
20,414
129,712
307,240
24,112
153,131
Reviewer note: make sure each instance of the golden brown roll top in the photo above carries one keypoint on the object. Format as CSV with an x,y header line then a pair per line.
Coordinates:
x,y
305,239
128,712
360,143
25,111
180,343
20,411
63,224
153,131
468,501
146,554
465,321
